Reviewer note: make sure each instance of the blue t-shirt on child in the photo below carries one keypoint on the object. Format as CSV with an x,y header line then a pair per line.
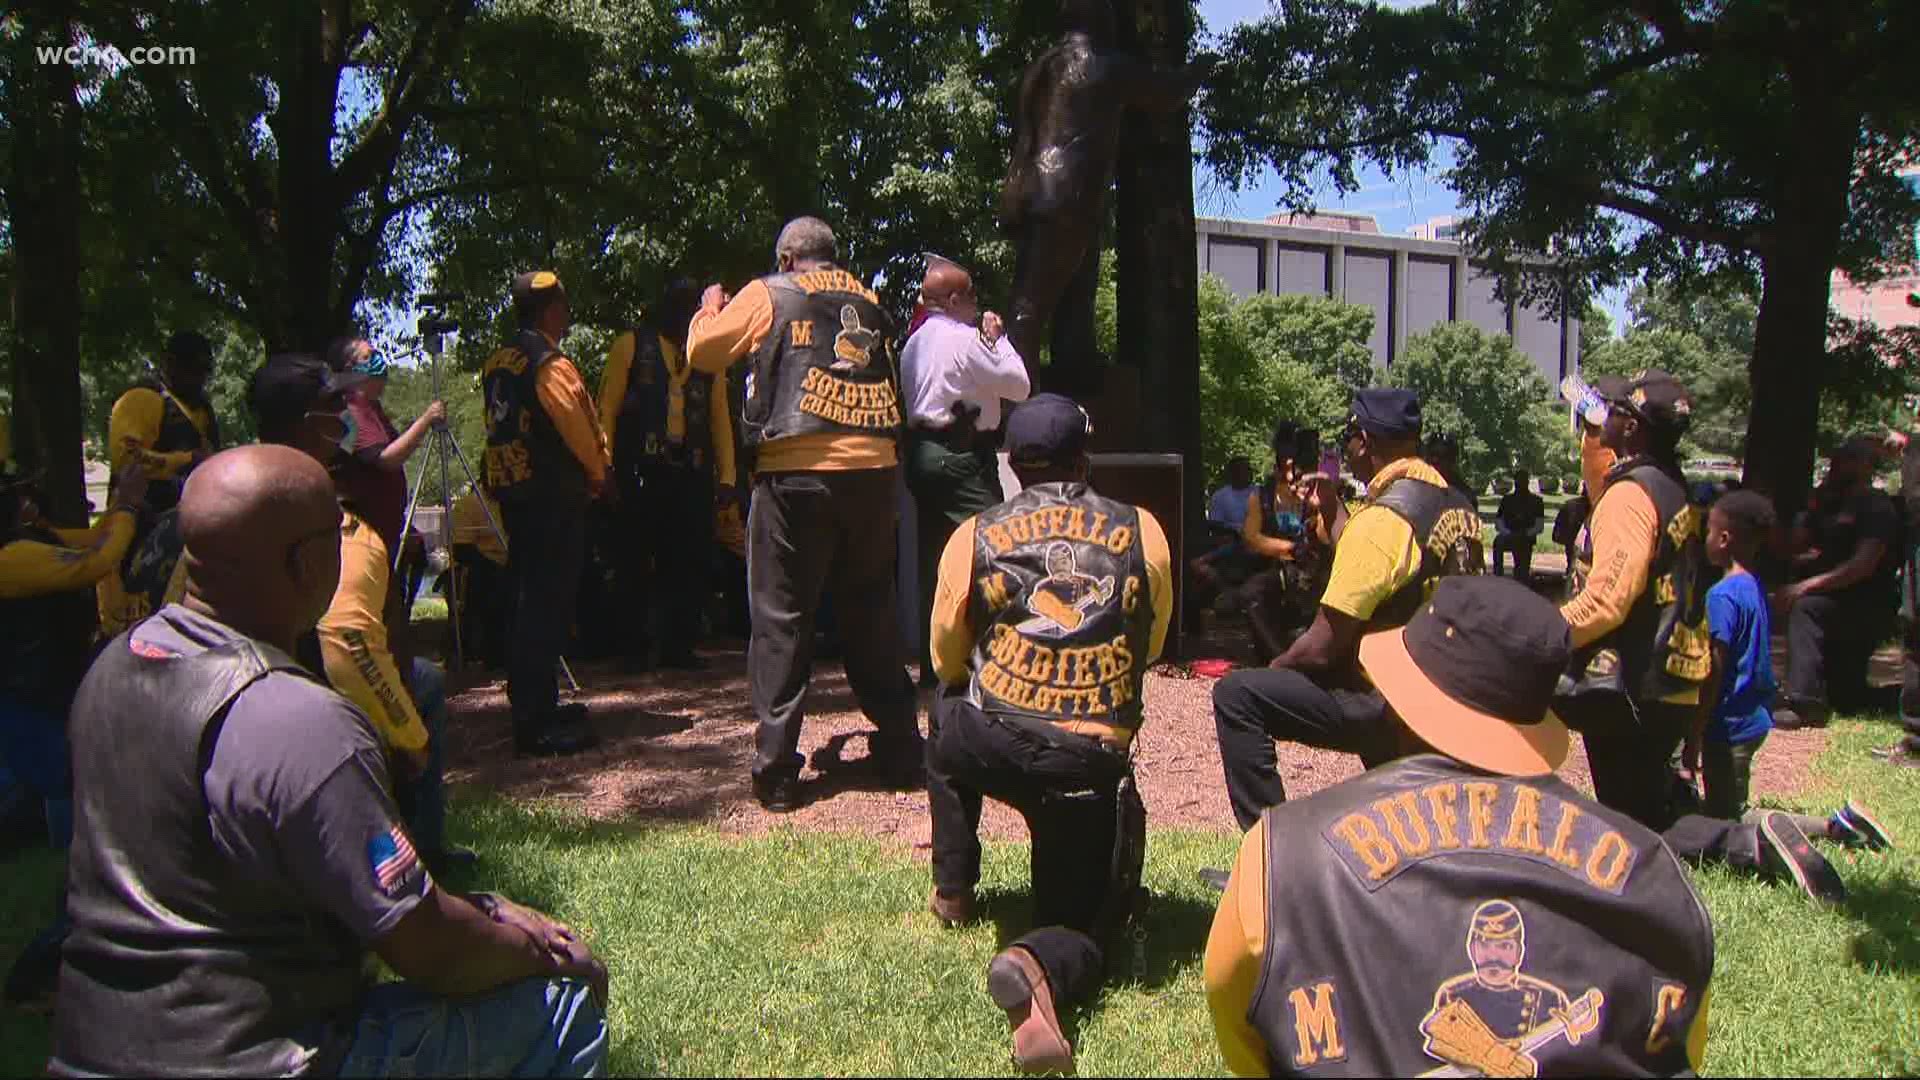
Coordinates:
x,y
1737,615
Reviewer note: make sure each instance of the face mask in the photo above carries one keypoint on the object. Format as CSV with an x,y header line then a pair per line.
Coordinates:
x,y
1596,460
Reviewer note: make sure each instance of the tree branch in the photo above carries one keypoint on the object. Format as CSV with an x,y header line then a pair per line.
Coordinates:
x,y
412,82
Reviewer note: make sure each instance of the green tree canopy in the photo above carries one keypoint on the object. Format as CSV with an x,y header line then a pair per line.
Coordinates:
x,y
1482,390
1685,139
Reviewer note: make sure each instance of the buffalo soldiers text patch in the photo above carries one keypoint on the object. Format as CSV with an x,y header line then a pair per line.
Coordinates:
x,y
1492,816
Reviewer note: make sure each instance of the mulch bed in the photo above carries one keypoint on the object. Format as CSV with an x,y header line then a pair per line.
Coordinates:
x,y
676,747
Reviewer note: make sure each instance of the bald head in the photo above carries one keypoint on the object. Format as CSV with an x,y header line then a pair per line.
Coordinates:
x,y
943,281
261,529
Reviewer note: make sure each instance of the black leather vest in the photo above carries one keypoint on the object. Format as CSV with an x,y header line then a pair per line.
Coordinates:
x,y
1428,916
1664,645
49,638
1445,525
524,449
177,433
177,962
827,365
642,436
1061,596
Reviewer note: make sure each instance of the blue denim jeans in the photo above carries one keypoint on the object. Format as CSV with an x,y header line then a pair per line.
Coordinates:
x,y
535,1027
423,799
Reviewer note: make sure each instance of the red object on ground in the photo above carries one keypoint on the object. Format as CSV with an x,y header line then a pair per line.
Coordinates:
x,y
1212,669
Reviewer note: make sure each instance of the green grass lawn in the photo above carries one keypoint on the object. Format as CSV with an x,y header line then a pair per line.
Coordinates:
x,y
810,954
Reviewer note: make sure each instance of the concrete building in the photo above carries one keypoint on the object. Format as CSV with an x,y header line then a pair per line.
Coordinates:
x,y
1412,284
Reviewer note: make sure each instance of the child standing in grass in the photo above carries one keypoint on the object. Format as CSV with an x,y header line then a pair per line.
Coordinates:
x,y
1723,745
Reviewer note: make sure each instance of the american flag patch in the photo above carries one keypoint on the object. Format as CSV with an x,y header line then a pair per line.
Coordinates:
x,y
392,858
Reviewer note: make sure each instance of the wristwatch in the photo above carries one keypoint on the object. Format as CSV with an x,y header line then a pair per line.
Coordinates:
x,y
488,904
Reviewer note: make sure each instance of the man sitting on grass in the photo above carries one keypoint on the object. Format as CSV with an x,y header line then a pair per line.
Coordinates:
x,y
237,849
1337,948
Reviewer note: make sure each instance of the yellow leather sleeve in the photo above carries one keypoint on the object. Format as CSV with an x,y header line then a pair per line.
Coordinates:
x,y
1153,542
564,395
949,637
32,568
613,384
132,429
1236,952
1625,529
715,339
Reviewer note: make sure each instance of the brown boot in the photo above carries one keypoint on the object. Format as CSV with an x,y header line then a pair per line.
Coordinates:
x,y
1018,984
951,910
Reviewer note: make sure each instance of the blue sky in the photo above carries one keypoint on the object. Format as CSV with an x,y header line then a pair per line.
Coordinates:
x,y
1396,203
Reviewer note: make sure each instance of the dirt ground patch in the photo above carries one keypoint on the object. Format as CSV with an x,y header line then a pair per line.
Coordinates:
x,y
676,747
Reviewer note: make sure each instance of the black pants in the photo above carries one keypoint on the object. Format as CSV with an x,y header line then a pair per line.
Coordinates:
x,y
1522,549
1252,708
948,488
1632,766
1830,638
666,530
806,531
546,544
1065,785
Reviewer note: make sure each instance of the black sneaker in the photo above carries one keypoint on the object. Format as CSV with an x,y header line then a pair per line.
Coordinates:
x,y
1897,754
778,793
1787,854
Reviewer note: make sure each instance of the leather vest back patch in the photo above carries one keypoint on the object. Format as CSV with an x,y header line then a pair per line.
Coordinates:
x,y
826,366
1445,526
1060,592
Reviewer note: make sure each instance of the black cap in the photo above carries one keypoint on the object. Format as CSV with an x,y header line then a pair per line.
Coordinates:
x,y
189,347
534,283
1474,673
1389,412
1658,399
1047,430
289,386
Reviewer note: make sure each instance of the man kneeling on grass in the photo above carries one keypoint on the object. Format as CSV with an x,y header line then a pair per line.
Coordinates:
x,y
237,849
1461,912
1048,610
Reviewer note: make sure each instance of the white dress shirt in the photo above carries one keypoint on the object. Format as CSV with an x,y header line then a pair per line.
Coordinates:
x,y
947,361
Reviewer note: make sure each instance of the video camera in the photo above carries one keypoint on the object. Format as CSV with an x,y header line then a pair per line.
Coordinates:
x,y
434,325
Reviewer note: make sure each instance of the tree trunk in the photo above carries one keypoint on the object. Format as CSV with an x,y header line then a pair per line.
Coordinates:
x,y
44,212
1158,287
1788,370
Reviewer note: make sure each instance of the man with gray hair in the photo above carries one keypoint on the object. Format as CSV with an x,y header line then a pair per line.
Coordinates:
x,y
821,420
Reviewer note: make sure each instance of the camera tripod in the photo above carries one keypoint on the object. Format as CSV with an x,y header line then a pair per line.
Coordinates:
x,y
440,446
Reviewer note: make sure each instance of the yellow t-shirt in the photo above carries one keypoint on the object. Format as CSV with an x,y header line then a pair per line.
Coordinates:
x,y
1377,554
353,640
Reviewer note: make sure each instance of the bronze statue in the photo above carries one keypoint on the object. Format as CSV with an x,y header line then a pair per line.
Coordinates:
x,y
1066,138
